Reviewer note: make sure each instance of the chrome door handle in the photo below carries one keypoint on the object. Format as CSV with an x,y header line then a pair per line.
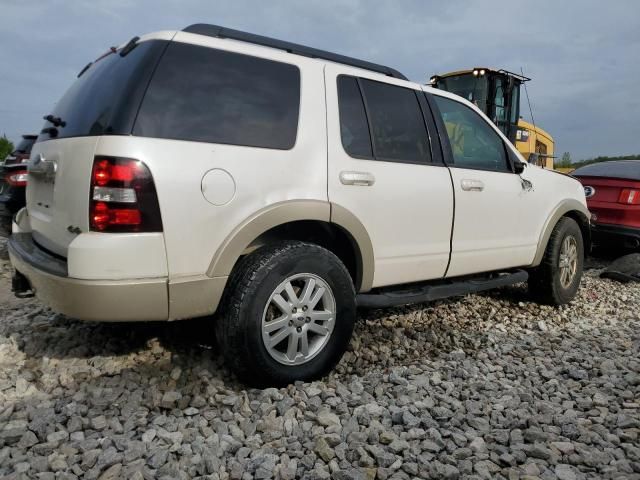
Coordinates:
x,y
470,185
363,179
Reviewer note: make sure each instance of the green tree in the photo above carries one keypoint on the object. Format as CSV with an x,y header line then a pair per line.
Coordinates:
x,y
565,160
6,147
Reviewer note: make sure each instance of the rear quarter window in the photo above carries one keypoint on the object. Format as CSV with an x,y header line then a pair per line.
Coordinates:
x,y
207,95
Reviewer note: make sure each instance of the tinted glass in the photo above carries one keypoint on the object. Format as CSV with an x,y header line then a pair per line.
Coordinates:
x,y
468,86
399,132
106,97
627,169
354,129
473,142
207,95
25,145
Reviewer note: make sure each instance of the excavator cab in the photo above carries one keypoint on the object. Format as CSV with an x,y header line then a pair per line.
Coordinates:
x,y
497,94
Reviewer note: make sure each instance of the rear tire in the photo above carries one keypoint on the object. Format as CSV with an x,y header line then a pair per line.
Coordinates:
x,y
287,314
556,280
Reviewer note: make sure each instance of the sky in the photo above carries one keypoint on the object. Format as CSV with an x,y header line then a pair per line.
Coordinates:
x,y
583,55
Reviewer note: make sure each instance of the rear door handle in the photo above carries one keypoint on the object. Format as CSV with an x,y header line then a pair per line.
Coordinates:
x,y
471,185
363,179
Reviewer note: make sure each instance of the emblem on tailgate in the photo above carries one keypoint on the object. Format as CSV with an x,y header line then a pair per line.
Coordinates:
x,y
589,191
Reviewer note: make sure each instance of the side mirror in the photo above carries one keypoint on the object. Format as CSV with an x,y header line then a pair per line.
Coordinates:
x,y
518,166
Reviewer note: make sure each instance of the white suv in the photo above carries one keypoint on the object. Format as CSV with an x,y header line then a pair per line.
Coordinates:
x,y
278,186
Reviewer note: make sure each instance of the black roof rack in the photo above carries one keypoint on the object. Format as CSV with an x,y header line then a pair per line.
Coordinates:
x,y
222,32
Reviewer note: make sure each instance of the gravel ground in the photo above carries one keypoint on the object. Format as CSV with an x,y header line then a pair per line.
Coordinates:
x,y
489,386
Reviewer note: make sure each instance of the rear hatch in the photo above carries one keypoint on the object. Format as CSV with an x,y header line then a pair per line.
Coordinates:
x,y
607,199
103,100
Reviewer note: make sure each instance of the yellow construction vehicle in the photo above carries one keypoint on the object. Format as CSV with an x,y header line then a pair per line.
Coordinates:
x,y
497,94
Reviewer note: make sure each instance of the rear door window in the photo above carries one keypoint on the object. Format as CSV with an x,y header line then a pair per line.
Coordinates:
x,y
207,95
397,125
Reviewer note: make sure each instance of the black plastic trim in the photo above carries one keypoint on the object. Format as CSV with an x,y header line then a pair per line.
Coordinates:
x,y
427,292
432,130
294,48
23,246
445,146
609,233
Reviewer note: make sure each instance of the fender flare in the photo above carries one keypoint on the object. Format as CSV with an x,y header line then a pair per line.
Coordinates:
x,y
280,213
566,206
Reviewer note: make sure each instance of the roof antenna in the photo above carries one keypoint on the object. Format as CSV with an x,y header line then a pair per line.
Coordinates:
x,y
528,101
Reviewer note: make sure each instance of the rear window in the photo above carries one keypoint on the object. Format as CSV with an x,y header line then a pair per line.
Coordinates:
x,y
105,98
25,145
627,169
206,95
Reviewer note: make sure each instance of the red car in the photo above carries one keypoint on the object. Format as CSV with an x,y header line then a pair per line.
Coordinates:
x,y
613,197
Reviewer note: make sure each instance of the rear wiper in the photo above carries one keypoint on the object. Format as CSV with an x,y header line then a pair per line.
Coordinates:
x,y
51,131
56,121
131,44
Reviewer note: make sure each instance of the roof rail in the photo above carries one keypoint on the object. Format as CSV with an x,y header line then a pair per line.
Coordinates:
x,y
222,32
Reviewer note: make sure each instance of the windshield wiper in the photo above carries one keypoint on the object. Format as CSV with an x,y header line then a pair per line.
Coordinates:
x,y
51,131
56,121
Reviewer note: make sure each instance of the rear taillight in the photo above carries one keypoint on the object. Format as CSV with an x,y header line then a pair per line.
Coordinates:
x,y
17,178
123,197
629,196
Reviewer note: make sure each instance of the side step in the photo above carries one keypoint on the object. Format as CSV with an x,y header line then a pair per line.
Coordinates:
x,y
420,293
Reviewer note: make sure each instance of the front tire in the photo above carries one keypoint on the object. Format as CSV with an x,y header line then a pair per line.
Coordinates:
x,y
556,280
287,315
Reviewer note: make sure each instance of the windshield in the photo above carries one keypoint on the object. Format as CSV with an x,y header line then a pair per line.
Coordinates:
x,y
106,97
468,86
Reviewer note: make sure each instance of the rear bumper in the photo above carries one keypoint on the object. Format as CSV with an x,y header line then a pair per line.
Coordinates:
x,y
99,300
607,234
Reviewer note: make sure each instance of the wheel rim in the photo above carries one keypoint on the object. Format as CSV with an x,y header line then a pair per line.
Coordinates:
x,y
568,261
298,319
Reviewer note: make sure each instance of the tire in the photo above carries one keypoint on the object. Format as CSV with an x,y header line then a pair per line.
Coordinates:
x,y
549,283
249,308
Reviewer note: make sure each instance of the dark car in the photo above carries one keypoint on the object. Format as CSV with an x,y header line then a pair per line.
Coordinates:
x,y
13,180
613,197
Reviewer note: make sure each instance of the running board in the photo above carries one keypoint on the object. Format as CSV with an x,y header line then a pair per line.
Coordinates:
x,y
403,295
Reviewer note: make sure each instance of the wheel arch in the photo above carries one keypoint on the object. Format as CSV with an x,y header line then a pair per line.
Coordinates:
x,y
568,208
319,222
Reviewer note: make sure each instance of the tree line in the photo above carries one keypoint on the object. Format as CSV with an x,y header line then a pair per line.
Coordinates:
x,y
566,162
6,147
